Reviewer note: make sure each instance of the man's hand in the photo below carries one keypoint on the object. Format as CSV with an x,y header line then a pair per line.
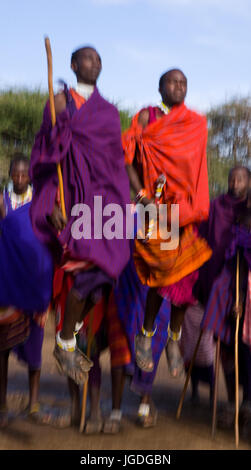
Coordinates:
x,y
145,201
143,118
237,311
57,219
60,102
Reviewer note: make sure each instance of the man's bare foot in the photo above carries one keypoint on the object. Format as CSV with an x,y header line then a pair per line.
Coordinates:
x,y
174,358
113,423
74,364
143,353
48,415
94,424
147,415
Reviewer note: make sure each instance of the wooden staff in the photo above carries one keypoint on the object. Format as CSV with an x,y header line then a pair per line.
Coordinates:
x,y
85,388
216,385
62,201
188,376
236,351
53,119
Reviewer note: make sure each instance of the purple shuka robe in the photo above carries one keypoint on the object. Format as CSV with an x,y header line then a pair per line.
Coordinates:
x,y
217,276
87,143
217,316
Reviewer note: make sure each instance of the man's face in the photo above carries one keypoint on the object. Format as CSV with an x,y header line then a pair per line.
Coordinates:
x,y
88,66
174,88
238,183
20,177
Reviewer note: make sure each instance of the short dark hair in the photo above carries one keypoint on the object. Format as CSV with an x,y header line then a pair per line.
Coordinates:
x,y
239,167
76,53
18,158
164,76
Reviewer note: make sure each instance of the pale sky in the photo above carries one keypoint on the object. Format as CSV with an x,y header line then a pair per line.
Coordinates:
x,y
138,40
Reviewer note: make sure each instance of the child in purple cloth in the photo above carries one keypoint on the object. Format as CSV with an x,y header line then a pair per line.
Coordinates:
x,y
25,335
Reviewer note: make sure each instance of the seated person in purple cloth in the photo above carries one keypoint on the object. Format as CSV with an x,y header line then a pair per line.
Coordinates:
x,y
86,141
17,331
228,217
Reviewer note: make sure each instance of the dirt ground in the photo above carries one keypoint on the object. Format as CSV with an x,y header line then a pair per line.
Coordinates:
x,y
192,431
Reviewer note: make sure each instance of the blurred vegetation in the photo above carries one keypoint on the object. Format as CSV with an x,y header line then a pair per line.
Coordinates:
x,y
229,140
20,118
229,136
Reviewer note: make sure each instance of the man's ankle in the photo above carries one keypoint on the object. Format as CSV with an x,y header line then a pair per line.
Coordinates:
x,y
66,344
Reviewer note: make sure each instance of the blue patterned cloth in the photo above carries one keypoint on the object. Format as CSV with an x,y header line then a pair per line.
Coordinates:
x,y
130,296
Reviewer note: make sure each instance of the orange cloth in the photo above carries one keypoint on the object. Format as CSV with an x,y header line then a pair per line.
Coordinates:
x,y
161,268
174,145
78,99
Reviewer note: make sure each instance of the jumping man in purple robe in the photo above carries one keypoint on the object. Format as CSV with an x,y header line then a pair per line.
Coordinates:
x,y
86,140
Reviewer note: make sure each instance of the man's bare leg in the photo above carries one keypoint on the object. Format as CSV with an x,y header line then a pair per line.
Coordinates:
x,y
143,341
4,358
153,304
75,402
113,422
174,358
94,423
34,380
74,313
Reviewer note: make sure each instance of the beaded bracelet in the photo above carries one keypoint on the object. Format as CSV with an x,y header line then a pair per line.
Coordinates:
x,y
148,334
175,336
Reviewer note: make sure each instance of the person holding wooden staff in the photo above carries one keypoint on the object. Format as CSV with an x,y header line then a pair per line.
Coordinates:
x,y
86,140
228,233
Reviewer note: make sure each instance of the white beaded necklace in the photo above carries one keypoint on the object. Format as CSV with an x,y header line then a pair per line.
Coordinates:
x,y
84,90
164,107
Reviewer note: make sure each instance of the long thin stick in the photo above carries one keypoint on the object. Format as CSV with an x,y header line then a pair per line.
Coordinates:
x,y
216,385
85,388
236,352
188,376
53,119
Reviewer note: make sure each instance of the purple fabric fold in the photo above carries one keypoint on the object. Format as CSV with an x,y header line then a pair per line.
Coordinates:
x,y
30,351
87,143
241,239
218,231
217,316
